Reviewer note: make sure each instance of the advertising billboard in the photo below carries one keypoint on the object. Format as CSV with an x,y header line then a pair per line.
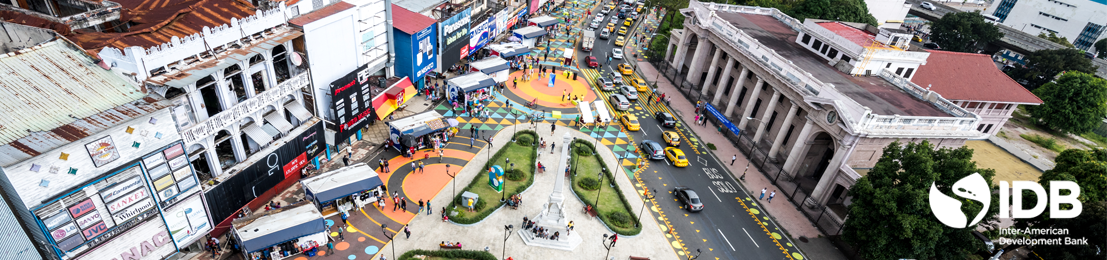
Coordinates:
x,y
350,101
415,53
481,34
455,32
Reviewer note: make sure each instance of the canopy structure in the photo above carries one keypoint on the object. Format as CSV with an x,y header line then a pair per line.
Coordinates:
x,y
586,113
340,183
490,65
393,98
508,50
468,83
543,21
567,54
405,130
529,32
601,110
294,221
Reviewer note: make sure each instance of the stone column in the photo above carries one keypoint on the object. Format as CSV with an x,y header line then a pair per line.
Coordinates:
x,y
696,67
711,71
748,109
794,156
719,87
669,48
783,131
840,155
764,121
734,93
682,49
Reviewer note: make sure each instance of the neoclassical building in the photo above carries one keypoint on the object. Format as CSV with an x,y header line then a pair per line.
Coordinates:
x,y
823,98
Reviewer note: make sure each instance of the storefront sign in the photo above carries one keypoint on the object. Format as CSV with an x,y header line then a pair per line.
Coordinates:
x,y
188,221
121,188
168,193
166,185
424,41
481,34
146,240
56,220
153,161
134,211
182,174
97,229
163,182
82,208
64,231
244,109
350,100
295,165
393,97
128,200
102,151
455,34
179,162
88,220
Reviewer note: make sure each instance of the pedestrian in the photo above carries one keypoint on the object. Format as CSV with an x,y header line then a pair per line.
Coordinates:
x,y
429,207
614,237
330,247
669,101
420,207
470,144
553,127
340,237
490,142
763,193
386,167
421,166
552,144
515,84
413,166
570,228
403,204
771,195
344,217
407,232
733,158
395,203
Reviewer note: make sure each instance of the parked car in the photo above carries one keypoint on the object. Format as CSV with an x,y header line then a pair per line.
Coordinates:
x,y
629,92
665,119
688,198
616,78
605,83
620,102
631,122
676,156
672,138
592,62
617,53
605,34
932,45
626,69
653,150
928,6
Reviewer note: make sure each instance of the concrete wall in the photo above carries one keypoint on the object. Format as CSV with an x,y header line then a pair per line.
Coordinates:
x,y
1066,17
888,13
869,150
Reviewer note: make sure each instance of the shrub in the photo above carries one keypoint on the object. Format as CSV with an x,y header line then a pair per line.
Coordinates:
x,y
620,218
449,254
1047,142
524,140
589,183
583,150
515,175
711,146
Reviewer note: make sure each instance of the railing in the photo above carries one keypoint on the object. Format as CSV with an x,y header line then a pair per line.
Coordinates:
x,y
923,94
247,108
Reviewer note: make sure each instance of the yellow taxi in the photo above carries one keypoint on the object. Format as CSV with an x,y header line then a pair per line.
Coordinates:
x,y
676,156
671,138
631,122
640,85
619,41
639,9
626,69
623,31
628,22
611,26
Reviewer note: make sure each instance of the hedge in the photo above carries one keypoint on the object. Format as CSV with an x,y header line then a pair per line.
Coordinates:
x,y
449,254
611,180
478,180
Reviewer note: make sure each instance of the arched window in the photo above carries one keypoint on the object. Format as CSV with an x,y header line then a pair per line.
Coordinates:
x,y
233,76
280,63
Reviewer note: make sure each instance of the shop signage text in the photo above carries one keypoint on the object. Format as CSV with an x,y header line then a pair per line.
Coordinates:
x,y
142,249
121,188
126,201
133,211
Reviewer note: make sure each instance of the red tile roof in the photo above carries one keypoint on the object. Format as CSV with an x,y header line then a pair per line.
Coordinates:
x,y
857,36
321,13
408,21
970,76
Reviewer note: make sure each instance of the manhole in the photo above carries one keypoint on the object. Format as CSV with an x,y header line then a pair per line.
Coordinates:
x,y
803,239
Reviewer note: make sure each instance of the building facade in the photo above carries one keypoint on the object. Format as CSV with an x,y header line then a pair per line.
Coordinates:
x,y
824,124
1081,22
888,13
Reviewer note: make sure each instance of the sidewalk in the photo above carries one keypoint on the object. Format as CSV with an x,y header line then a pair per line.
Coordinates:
x,y
786,215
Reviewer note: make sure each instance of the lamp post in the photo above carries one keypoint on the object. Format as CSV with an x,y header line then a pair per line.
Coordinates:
x,y
503,190
452,183
698,253
607,244
507,234
384,230
656,77
752,145
516,126
597,206
646,196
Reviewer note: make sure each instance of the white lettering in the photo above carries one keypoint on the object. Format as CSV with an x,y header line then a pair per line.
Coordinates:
x,y
1010,199
1056,199
1016,201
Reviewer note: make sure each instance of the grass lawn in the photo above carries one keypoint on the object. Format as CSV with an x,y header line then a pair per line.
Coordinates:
x,y
589,167
523,158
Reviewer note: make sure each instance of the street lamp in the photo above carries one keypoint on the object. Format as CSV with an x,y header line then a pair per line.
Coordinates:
x,y
656,77
507,234
384,230
698,253
597,206
752,145
503,190
452,183
643,210
608,245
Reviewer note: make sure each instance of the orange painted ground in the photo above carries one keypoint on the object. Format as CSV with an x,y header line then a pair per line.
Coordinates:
x,y
538,88
399,161
427,184
420,186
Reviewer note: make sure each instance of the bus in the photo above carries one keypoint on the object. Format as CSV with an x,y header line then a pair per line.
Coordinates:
x,y
991,19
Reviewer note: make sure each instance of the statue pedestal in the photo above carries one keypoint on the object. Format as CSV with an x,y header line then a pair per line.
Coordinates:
x,y
552,216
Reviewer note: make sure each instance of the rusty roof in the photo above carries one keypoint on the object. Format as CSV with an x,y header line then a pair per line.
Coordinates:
x,y
52,85
320,14
158,21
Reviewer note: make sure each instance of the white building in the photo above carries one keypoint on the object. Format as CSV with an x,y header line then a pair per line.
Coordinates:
x,y
1081,21
888,13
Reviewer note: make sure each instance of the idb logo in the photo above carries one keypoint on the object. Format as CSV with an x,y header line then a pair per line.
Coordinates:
x,y
974,187
948,210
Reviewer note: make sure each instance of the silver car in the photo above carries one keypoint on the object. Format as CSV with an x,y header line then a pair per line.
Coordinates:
x,y
618,79
617,53
620,102
629,92
594,25
605,84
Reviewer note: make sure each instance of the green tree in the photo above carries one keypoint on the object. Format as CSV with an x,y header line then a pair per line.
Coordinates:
x,y
1088,168
1043,65
1076,103
838,10
963,32
1056,39
890,217
1101,47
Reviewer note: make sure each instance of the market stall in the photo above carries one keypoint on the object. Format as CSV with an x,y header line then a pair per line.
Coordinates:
x,y
509,50
586,112
497,68
393,98
470,87
601,111
417,131
529,35
281,233
339,189
568,55
543,21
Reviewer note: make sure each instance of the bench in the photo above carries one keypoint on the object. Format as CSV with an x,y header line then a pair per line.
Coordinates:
x,y
591,212
639,258
448,247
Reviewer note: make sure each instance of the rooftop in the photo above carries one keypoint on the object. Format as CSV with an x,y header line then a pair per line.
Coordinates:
x,y
412,22
880,96
855,35
321,13
155,22
970,76
417,6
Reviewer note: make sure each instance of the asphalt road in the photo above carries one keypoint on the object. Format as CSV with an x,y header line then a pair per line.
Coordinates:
x,y
725,229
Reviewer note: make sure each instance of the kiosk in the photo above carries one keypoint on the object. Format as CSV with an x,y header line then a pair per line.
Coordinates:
x,y
414,132
281,233
529,35
509,50
543,21
601,111
462,88
497,68
332,190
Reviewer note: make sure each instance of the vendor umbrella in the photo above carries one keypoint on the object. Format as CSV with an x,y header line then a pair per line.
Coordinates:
x,y
453,122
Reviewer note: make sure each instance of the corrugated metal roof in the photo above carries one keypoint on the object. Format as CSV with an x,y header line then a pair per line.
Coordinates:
x,y
52,85
158,21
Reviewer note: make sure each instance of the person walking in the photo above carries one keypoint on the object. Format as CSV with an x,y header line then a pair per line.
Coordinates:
x,y
552,144
386,167
340,236
381,163
763,193
668,101
420,207
346,160
395,203
429,208
403,204
733,158
414,166
614,237
771,195
470,143
440,153
421,165
407,232
330,247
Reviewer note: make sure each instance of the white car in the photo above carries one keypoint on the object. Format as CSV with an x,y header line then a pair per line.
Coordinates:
x,y
599,17
594,25
928,6
617,53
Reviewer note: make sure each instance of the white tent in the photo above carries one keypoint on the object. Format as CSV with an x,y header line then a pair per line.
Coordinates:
x,y
601,110
586,113
497,68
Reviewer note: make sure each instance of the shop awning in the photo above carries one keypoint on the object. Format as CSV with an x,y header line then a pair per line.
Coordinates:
x,y
419,124
601,110
529,32
392,98
278,122
339,183
508,50
255,133
568,53
298,110
472,81
586,112
277,226
515,52
491,65
544,21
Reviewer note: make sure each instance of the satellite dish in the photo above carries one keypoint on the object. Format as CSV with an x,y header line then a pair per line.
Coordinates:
x,y
296,60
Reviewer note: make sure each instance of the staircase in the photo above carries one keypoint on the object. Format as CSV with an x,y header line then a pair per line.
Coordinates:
x,y
565,242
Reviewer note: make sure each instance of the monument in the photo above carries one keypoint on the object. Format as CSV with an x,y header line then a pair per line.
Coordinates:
x,y
553,216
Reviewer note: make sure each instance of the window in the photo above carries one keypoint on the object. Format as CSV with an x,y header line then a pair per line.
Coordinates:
x,y
1043,28
806,38
908,73
1052,16
888,66
1061,3
1088,36
846,59
756,106
972,105
899,71
789,134
280,63
742,95
1004,8
210,95
233,76
833,53
749,75
988,129
769,125
817,45
825,48
224,149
